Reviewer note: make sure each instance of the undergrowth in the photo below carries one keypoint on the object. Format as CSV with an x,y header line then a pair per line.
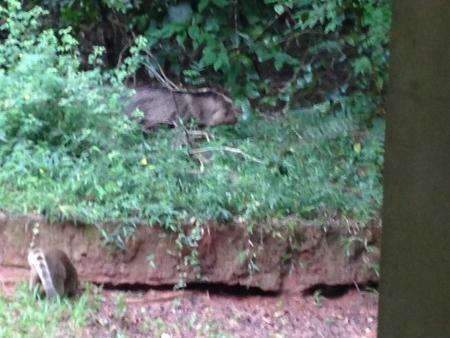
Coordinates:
x,y
68,152
299,171
24,316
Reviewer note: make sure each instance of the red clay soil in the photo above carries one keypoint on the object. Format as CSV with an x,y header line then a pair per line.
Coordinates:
x,y
339,253
199,314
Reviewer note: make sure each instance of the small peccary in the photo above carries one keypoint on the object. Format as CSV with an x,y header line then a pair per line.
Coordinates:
x,y
162,106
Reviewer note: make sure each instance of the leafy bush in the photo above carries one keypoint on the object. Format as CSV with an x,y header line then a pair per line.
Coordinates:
x,y
277,53
46,98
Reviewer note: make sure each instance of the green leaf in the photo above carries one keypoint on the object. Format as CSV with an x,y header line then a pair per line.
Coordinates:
x,y
279,9
220,3
202,5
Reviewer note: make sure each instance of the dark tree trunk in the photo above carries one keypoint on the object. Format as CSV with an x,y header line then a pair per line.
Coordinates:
x,y
415,264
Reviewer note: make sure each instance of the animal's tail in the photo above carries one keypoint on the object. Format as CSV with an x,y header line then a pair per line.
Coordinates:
x,y
38,262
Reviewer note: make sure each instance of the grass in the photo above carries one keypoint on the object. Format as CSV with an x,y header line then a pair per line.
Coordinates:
x,y
307,165
25,316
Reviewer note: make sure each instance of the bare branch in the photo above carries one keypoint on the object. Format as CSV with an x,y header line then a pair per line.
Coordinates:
x,y
226,148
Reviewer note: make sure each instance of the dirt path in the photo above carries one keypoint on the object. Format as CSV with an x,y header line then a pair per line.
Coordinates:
x,y
201,313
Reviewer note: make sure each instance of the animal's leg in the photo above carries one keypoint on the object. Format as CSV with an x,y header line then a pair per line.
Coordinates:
x,y
58,283
34,280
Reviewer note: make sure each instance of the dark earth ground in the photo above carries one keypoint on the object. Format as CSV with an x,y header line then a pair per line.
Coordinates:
x,y
228,312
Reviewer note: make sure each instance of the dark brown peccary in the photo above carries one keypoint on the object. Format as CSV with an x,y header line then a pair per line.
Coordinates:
x,y
162,106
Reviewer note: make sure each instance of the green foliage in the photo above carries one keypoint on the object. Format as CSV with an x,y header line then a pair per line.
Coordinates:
x,y
274,52
314,50
24,316
67,151
55,116
46,100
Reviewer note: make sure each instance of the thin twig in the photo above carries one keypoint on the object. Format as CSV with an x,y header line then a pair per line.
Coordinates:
x,y
226,148
357,287
124,49
200,133
163,298
161,76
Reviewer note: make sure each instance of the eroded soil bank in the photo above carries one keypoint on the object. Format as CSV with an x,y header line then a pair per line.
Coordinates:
x,y
227,254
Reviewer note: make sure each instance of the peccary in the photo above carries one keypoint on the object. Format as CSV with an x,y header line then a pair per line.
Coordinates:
x,y
162,106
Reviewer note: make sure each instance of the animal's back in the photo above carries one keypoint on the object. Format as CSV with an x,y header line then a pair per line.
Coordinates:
x,y
67,272
162,106
56,272
157,105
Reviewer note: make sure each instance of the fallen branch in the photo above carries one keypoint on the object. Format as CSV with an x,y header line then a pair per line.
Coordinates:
x,y
226,148
148,297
